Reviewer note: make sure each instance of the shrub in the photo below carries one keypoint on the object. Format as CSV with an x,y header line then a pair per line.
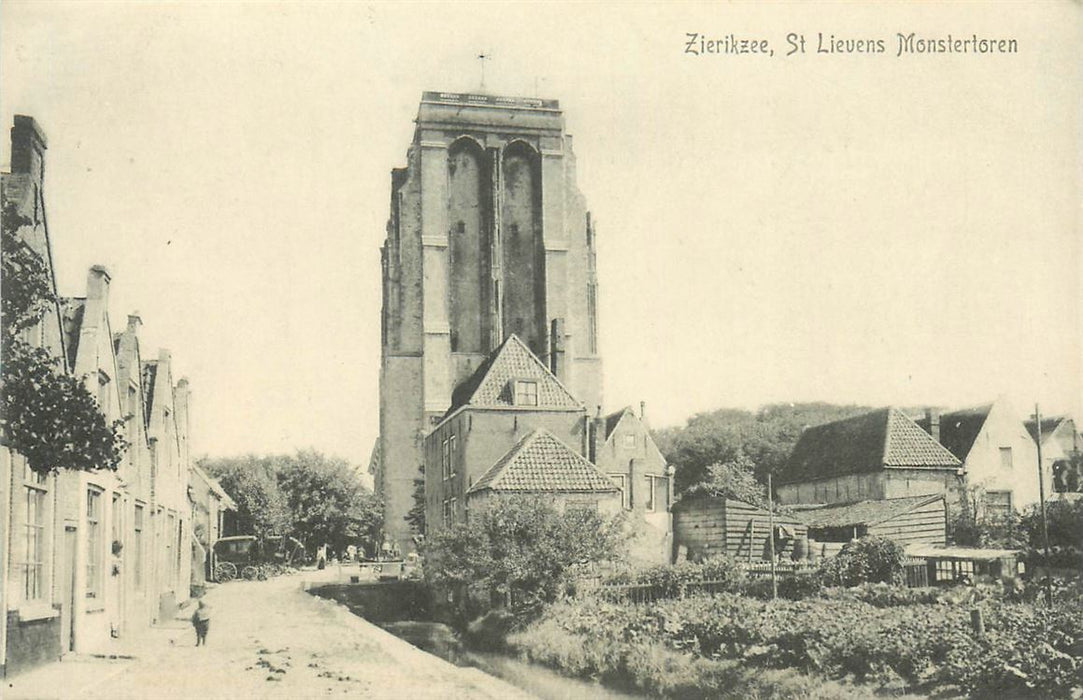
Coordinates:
x,y
869,559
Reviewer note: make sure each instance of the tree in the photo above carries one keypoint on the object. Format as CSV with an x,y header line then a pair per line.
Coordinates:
x,y
262,508
416,515
735,479
522,550
328,504
46,415
315,498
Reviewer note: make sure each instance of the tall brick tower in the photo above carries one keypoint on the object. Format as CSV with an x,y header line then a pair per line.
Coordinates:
x,y
488,236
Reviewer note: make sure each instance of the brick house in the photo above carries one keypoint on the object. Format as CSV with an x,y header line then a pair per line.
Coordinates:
x,y
622,447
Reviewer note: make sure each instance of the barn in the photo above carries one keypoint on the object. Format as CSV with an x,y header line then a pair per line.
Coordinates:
x,y
908,521
708,526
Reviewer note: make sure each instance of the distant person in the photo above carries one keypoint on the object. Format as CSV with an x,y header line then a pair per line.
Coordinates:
x,y
201,620
321,557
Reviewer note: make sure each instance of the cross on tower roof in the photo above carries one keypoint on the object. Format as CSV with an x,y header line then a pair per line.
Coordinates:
x,y
482,58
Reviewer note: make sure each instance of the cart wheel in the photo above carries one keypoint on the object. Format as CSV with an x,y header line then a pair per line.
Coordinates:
x,y
225,571
249,573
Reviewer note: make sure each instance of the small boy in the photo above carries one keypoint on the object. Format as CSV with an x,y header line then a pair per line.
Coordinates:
x,y
201,619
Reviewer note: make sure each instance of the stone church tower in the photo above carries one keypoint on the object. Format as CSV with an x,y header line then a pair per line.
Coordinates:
x,y
488,236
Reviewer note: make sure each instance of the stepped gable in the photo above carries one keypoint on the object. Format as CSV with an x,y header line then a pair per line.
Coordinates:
x,y
540,462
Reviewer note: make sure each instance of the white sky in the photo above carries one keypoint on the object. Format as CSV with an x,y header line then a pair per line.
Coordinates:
x,y
847,228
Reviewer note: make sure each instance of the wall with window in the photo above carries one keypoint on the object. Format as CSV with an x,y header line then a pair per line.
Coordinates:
x,y
462,448
1004,458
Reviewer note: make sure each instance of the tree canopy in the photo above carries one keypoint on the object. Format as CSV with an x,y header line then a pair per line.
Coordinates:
x,y
315,498
46,415
521,548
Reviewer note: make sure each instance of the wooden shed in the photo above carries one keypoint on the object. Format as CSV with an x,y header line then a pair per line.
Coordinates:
x,y
908,521
709,526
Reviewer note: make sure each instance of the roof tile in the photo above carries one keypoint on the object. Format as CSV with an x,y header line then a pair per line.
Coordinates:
x,y
541,462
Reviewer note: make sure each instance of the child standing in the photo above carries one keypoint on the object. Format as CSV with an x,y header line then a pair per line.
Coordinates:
x,y
201,619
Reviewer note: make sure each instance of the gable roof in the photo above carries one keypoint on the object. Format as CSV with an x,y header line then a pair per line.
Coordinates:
x,y
1049,426
867,443
959,429
491,383
860,512
71,323
541,462
614,419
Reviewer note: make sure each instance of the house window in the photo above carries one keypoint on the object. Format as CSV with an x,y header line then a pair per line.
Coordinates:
x,y
657,493
621,480
93,543
451,455
137,545
526,393
445,458
1006,457
630,440
453,507
998,504
447,511
34,566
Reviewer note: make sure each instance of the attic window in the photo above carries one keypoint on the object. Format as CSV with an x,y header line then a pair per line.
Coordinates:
x,y
526,392
630,440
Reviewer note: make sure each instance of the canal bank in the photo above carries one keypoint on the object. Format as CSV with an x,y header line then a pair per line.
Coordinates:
x,y
401,608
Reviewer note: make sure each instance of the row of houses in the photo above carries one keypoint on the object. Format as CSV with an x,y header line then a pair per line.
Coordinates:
x,y
89,557
891,474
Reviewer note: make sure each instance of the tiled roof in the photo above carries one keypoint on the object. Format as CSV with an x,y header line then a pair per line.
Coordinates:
x,y
867,443
959,429
491,384
542,463
861,512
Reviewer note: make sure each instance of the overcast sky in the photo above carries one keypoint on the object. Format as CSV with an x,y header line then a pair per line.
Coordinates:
x,y
849,228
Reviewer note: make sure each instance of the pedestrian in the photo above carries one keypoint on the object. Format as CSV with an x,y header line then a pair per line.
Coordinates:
x,y
201,619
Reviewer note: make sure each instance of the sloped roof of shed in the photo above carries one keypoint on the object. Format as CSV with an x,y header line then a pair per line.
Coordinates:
x,y
860,512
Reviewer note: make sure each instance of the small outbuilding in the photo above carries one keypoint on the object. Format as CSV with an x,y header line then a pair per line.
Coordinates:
x,y
947,565
708,526
911,520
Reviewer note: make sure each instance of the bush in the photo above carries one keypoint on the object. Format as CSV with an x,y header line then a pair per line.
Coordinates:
x,y
869,559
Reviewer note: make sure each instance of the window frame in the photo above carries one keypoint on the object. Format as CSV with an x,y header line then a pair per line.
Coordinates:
x,y
95,555
621,480
34,555
521,395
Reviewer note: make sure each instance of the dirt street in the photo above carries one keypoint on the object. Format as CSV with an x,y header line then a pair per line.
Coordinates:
x,y
270,639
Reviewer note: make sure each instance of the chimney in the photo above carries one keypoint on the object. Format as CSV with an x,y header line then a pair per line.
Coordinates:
x,y
135,322
597,436
556,348
97,283
27,148
642,410
932,415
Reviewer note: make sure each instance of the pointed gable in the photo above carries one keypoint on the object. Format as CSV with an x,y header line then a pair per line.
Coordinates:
x,y
959,429
542,463
493,384
867,443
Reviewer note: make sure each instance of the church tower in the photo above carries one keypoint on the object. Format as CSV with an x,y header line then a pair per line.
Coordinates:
x,y
488,236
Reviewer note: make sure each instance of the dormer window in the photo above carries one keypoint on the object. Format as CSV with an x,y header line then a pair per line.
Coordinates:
x,y
526,392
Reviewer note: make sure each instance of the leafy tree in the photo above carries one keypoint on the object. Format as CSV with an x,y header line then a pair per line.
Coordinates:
x,y
315,498
262,508
522,550
416,515
735,479
328,503
46,415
